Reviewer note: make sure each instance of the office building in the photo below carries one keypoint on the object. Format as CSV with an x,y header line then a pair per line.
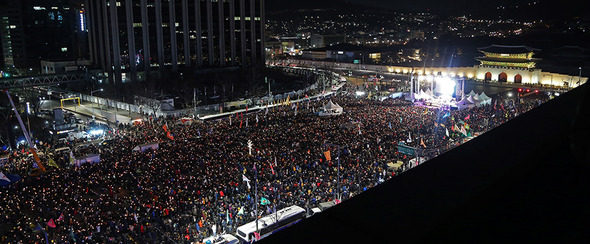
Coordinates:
x,y
32,30
130,37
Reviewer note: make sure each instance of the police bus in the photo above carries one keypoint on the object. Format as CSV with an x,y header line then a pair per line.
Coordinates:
x,y
271,223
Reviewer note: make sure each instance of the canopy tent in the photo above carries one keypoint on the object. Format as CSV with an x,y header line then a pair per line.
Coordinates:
x,y
471,93
423,95
472,99
463,104
484,100
331,109
484,97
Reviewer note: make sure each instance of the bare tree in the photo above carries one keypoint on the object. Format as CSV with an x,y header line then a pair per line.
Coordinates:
x,y
32,97
148,95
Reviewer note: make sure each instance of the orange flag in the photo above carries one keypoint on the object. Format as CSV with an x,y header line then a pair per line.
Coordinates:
x,y
327,154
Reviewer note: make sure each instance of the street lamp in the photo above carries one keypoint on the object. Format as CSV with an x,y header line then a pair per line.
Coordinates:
x,y
91,94
338,184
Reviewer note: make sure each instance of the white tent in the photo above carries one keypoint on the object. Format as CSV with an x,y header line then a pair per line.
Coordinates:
x,y
463,104
472,93
484,99
331,109
423,95
472,99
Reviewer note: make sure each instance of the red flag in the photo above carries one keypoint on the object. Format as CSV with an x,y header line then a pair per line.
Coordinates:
x,y
51,223
165,127
169,135
241,121
256,236
61,217
221,193
271,168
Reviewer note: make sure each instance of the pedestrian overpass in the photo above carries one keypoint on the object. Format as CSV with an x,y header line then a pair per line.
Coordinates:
x,y
42,80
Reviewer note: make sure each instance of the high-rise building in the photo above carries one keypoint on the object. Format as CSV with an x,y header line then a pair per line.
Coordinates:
x,y
32,30
130,37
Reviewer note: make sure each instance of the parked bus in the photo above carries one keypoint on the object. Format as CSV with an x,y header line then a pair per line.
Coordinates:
x,y
221,239
271,223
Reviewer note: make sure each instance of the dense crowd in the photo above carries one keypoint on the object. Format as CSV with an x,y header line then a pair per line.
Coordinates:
x,y
194,183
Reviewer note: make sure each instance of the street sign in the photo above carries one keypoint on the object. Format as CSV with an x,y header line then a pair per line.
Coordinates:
x,y
357,61
402,148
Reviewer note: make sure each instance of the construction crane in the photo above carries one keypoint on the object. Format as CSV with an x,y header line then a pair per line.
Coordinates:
x,y
31,146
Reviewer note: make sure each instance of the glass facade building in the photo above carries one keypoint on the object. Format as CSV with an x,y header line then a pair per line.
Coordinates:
x,y
133,37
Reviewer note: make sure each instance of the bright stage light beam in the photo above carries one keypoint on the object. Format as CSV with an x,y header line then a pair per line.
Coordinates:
x,y
446,86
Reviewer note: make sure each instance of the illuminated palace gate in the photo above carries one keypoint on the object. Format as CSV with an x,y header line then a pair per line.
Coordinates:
x,y
508,64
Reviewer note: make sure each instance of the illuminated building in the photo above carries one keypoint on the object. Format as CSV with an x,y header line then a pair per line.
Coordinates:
x,y
28,33
508,64
130,38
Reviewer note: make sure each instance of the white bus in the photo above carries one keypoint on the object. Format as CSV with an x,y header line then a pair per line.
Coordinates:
x,y
222,239
269,224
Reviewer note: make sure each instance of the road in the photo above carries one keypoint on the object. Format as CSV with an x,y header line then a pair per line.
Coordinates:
x,y
86,110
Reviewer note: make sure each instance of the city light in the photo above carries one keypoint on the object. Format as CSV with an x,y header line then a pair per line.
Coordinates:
x,y
96,132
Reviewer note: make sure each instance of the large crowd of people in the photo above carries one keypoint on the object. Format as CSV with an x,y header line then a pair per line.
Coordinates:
x,y
194,186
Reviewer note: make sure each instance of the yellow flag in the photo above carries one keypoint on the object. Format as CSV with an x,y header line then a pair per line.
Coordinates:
x,y
50,162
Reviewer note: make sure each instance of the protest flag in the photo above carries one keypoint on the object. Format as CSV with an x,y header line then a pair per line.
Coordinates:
x,y
327,155
51,162
3,177
264,201
271,168
51,224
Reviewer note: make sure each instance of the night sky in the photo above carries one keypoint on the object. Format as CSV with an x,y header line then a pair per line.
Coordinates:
x,y
511,8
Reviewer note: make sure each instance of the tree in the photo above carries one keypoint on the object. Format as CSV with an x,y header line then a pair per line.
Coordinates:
x,y
148,94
